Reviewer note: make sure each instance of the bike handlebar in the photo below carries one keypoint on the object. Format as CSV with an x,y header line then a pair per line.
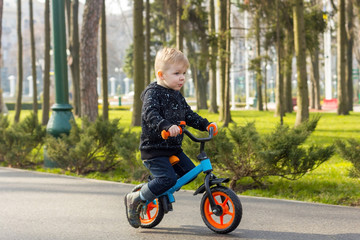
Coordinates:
x,y
195,139
166,134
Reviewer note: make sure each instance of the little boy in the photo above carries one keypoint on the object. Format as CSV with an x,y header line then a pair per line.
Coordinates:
x,y
163,108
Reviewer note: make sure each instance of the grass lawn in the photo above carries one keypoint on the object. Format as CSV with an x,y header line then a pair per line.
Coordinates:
x,y
328,184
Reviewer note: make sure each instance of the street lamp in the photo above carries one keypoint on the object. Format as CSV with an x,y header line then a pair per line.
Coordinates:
x,y
59,121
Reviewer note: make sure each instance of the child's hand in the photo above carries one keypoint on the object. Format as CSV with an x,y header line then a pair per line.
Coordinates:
x,y
174,130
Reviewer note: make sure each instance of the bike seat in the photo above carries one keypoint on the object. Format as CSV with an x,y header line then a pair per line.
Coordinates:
x,y
173,160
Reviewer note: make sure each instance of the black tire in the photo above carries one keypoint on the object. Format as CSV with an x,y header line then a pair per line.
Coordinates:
x,y
154,212
231,210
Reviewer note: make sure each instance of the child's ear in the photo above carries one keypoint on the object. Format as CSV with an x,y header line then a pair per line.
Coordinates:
x,y
160,74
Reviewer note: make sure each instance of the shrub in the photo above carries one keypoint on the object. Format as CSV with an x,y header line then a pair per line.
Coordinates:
x,y
94,147
19,140
351,152
4,124
241,151
285,155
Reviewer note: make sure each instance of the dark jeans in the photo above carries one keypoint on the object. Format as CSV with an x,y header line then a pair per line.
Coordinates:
x,y
165,175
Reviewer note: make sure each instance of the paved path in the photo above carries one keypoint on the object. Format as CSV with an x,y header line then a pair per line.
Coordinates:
x,y
51,207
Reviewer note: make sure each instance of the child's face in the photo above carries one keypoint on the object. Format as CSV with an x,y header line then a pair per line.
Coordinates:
x,y
173,77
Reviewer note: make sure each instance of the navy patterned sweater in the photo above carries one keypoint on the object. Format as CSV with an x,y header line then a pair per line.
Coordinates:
x,y
162,108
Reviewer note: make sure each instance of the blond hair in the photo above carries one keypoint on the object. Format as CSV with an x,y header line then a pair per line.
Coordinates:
x,y
168,56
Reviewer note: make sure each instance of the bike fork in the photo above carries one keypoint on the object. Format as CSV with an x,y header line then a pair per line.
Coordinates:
x,y
216,209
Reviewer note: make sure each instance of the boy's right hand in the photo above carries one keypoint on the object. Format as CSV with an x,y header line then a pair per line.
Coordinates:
x,y
174,130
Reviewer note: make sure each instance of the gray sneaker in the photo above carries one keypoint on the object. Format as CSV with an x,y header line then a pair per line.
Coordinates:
x,y
133,205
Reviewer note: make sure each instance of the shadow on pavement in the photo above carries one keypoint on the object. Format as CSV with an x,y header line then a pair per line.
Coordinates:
x,y
203,232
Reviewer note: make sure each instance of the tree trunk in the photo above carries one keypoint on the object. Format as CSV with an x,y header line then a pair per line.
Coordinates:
x,y
138,62
265,82
279,111
179,32
68,16
202,71
302,113
47,61
88,61
33,58
259,105
341,61
226,109
213,56
74,47
311,91
103,59
147,45
19,84
222,54
194,70
288,50
315,79
350,44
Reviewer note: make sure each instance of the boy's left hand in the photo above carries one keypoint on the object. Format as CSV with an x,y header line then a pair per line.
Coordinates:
x,y
214,125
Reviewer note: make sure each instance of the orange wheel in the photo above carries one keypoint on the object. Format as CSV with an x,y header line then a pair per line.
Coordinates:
x,y
152,214
231,210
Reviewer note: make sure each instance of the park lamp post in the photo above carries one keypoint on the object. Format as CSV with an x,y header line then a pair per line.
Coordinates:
x,y
59,122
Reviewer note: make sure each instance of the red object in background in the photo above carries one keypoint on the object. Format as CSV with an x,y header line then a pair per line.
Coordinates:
x,y
330,103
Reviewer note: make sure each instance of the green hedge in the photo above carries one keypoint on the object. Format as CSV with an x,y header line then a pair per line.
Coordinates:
x,y
24,106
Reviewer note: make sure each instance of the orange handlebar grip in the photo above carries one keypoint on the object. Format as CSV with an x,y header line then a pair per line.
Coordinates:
x,y
165,134
180,129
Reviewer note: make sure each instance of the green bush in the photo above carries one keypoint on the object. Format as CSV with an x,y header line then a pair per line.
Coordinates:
x,y
4,124
351,152
19,140
24,106
285,155
241,151
95,147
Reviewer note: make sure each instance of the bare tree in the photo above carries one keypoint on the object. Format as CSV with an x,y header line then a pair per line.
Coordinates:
x,y
349,57
179,29
33,58
147,44
289,53
88,59
19,85
47,61
341,62
226,109
259,80
74,47
213,56
138,62
104,71
222,54
279,111
302,113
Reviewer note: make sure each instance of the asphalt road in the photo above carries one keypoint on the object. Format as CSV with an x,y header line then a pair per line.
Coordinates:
x,y
51,207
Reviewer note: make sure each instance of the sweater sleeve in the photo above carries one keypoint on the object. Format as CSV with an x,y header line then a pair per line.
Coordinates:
x,y
193,119
151,112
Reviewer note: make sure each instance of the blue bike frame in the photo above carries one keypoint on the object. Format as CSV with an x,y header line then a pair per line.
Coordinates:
x,y
204,166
